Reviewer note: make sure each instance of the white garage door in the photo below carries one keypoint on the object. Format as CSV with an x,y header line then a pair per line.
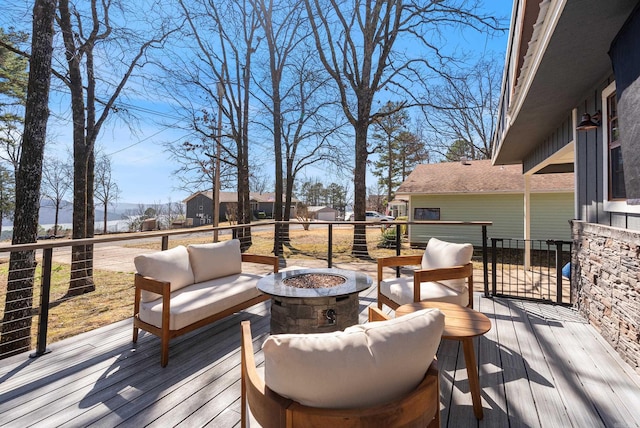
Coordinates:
x,y
327,216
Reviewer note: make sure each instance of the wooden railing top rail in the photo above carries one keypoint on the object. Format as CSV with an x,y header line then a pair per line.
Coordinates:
x,y
125,236
53,243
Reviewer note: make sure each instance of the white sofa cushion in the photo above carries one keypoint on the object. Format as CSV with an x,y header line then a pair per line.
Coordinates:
x,y
441,254
363,366
170,265
200,300
400,290
211,261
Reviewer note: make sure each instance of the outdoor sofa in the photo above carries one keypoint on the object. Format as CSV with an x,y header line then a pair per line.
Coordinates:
x,y
185,288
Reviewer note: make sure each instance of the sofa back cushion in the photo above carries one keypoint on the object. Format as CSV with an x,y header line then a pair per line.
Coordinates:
x,y
441,254
170,265
365,365
211,261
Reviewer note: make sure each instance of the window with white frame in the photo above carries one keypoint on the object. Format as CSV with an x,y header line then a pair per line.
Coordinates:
x,y
615,168
613,181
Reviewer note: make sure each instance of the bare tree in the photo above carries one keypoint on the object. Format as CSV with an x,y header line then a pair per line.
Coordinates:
x,y
83,33
308,134
281,25
360,46
467,124
16,322
106,189
56,182
224,57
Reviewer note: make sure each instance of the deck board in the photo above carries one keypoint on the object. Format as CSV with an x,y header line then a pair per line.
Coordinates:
x,y
539,365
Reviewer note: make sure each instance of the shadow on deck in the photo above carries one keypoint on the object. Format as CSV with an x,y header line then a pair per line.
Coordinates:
x,y
539,365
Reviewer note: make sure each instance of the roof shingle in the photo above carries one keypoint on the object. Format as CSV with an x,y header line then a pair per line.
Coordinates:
x,y
480,177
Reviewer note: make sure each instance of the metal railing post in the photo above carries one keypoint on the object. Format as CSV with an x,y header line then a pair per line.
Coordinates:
x,y
397,248
558,271
485,261
45,291
330,249
494,265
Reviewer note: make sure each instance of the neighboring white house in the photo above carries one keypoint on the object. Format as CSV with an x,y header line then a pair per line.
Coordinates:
x,y
322,213
478,191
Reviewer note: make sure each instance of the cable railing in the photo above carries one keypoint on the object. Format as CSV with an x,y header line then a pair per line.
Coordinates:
x,y
61,288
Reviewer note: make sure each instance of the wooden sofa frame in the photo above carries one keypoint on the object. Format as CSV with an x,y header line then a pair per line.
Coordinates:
x,y
163,288
423,275
419,408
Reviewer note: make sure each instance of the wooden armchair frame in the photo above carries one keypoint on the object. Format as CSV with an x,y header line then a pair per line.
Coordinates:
x,y
419,408
423,275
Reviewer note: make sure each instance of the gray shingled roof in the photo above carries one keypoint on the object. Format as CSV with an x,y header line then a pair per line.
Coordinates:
x,y
479,177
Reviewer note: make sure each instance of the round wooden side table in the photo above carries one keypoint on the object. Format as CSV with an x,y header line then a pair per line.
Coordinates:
x,y
462,324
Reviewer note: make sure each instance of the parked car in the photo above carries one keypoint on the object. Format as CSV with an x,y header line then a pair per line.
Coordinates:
x,y
373,216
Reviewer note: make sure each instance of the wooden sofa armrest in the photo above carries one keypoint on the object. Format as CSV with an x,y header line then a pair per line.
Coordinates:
x,y
163,288
265,260
151,284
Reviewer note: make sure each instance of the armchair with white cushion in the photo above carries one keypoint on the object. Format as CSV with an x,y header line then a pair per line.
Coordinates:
x,y
445,275
378,374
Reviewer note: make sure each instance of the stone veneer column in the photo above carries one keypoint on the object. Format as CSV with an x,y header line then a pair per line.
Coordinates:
x,y
605,283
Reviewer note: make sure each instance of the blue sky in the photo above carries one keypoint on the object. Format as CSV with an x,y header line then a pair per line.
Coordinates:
x,y
141,166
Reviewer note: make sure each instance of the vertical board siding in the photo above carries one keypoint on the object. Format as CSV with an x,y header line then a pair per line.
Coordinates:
x,y
560,137
591,173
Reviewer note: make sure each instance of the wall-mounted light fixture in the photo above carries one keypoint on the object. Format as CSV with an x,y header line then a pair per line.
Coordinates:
x,y
589,122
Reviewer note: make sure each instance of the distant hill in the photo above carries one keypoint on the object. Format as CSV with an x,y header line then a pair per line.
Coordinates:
x,y
65,215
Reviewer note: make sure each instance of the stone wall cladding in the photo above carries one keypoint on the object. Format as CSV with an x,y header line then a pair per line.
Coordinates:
x,y
605,282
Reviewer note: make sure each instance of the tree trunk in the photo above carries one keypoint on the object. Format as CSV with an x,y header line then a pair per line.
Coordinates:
x,y
277,146
360,192
104,220
55,222
81,280
16,323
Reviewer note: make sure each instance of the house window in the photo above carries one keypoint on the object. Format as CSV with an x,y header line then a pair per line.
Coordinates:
x,y
614,194
616,175
426,214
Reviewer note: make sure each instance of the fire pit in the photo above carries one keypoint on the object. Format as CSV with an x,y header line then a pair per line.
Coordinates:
x,y
313,300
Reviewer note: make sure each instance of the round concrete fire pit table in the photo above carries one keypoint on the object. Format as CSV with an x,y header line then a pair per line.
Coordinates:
x,y
313,300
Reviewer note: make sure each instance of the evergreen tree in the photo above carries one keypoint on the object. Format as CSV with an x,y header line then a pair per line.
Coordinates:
x,y
13,95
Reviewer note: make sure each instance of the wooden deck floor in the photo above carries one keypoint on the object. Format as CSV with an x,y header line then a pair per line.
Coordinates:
x,y
540,365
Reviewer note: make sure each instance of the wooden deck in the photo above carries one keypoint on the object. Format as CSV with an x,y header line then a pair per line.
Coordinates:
x,y
540,365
